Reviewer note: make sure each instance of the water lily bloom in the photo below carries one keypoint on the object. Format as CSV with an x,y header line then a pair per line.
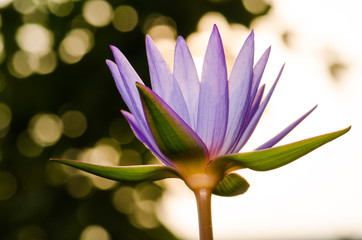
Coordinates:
x,y
197,127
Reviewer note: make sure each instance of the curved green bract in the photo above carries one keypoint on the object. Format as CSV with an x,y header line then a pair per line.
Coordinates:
x,y
138,173
232,185
276,157
173,136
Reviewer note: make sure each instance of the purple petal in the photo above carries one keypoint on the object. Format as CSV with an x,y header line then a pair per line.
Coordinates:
x,y
163,82
255,105
249,115
283,133
255,97
149,144
213,100
126,77
239,90
185,74
258,72
255,119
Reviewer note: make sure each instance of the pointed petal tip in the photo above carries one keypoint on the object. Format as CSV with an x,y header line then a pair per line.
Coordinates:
x,y
180,40
114,48
250,38
149,43
151,47
139,85
215,30
124,112
149,40
117,54
110,63
252,33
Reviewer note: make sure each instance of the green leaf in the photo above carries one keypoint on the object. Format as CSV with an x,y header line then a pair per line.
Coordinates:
x,y
137,173
276,157
232,185
173,136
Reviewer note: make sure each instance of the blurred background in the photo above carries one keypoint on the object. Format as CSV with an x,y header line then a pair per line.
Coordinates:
x,y
58,99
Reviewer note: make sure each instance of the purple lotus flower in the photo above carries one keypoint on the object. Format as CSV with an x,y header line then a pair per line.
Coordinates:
x,y
196,127
216,114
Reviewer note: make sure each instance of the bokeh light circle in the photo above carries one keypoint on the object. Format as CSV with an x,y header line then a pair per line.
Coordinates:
x,y
27,146
60,8
98,13
4,3
125,18
46,129
21,64
35,39
75,123
75,45
95,232
24,7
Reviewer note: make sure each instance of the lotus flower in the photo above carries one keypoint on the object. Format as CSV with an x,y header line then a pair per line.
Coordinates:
x,y
197,127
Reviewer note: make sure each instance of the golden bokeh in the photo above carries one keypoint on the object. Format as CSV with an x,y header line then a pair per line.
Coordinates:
x,y
46,129
24,7
95,232
75,45
4,3
34,39
27,146
125,18
79,186
21,64
75,123
123,200
55,174
97,13
255,6
61,8
46,64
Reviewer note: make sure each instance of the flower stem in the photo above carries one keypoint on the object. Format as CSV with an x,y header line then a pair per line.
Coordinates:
x,y
203,199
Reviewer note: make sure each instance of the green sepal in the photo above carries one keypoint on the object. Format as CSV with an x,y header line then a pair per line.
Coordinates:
x,y
272,158
173,136
231,185
137,173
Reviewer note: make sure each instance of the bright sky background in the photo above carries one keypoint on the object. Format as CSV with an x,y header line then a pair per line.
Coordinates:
x,y
320,195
